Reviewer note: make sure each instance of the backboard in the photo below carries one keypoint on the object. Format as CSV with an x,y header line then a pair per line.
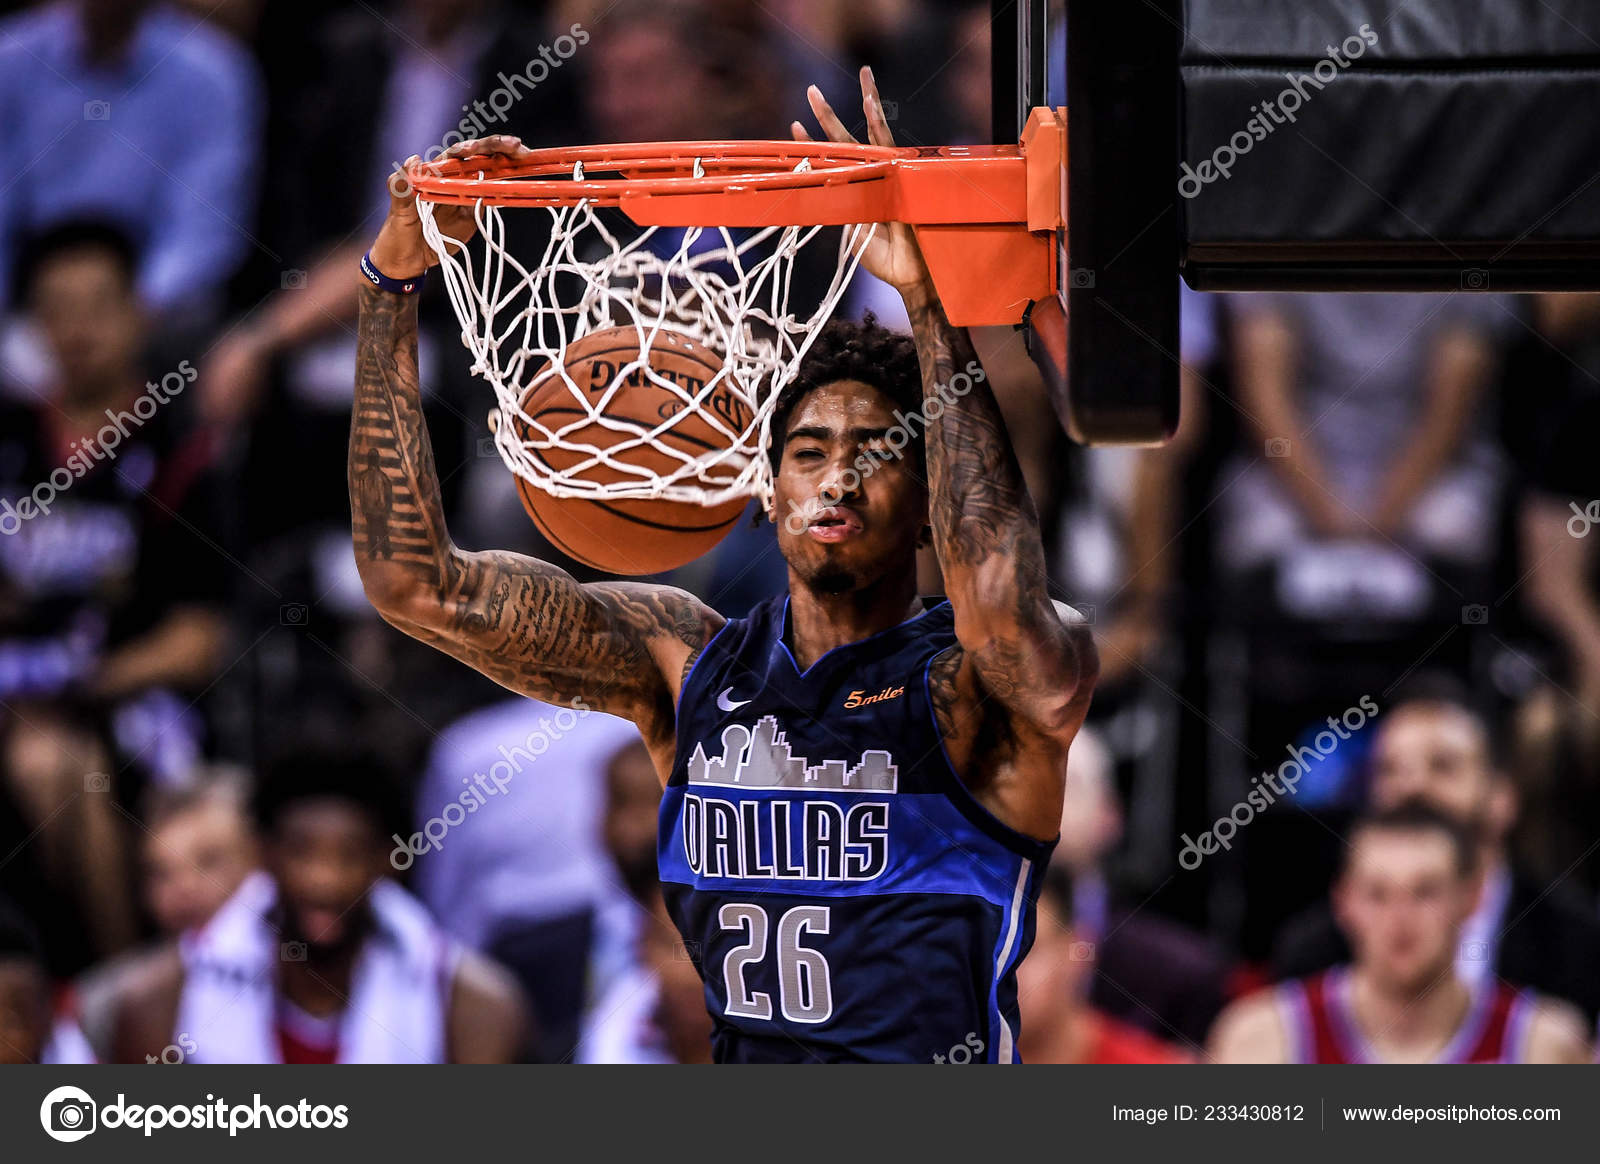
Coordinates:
x,y
1113,374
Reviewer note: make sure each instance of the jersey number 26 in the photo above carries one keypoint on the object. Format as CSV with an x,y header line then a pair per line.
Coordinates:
x,y
804,991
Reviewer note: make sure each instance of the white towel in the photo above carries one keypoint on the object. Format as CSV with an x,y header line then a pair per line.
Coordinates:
x,y
399,988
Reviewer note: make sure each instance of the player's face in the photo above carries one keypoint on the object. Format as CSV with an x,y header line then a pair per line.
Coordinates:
x,y
1402,902
24,1011
90,318
325,854
850,508
1437,755
193,862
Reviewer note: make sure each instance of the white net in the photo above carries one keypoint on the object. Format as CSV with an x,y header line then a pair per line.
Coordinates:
x,y
729,292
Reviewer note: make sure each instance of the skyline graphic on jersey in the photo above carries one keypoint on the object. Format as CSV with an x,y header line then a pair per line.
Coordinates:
x,y
761,758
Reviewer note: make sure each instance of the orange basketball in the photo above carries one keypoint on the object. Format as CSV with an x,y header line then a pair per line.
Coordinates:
x,y
632,536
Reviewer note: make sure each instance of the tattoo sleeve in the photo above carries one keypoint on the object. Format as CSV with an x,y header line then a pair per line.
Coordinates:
x,y
986,534
524,623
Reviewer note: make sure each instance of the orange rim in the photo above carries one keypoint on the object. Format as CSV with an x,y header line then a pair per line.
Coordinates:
x,y
544,177
986,217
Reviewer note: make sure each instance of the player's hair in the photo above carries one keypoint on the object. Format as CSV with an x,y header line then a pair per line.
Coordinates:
x,y
330,773
865,351
1417,816
80,234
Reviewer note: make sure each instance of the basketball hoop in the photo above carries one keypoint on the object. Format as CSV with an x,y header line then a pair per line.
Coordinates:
x,y
721,226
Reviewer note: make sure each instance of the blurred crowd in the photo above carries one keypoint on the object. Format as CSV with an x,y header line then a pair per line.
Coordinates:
x,y
1340,793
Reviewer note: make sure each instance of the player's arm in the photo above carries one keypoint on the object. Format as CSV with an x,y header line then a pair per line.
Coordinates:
x,y
1031,654
489,1021
528,625
1020,650
1249,1031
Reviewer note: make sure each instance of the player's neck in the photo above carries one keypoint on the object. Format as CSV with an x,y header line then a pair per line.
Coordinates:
x,y
820,622
1409,1023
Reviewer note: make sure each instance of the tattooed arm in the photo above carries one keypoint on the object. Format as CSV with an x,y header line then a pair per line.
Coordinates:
x,y
1014,692
616,647
1019,648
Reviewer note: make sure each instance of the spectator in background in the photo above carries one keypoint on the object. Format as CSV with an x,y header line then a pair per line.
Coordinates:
x,y
67,855
1556,382
112,578
322,958
1365,412
1404,901
508,850
1139,510
140,114
1432,747
369,94
198,847
1151,973
655,1012
1059,1024
28,1031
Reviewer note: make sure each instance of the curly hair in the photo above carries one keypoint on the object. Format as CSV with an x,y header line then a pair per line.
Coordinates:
x,y
865,351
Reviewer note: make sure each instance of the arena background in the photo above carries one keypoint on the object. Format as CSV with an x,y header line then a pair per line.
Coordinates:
x,y
1404,508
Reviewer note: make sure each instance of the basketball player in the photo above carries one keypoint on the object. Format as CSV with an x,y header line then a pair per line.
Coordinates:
x,y
1410,883
861,786
322,958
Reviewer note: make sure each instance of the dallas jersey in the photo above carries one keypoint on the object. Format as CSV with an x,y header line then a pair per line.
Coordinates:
x,y
844,896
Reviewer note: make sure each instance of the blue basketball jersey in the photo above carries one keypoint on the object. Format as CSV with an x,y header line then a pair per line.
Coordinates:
x,y
844,896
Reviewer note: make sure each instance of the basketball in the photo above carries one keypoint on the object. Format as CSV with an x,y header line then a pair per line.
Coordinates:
x,y
630,536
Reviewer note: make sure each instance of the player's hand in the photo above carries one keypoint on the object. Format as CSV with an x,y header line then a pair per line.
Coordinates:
x,y
893,254
401,251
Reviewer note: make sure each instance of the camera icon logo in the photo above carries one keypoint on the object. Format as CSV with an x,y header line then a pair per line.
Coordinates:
x,y
1474,615
68,1114
1475,951
293,279
487,448
1081,952
97,111
292,952
1279,447
1475,279
293,614
1081,277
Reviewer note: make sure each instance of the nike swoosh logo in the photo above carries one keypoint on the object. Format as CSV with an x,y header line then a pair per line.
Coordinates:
x,y
726,702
